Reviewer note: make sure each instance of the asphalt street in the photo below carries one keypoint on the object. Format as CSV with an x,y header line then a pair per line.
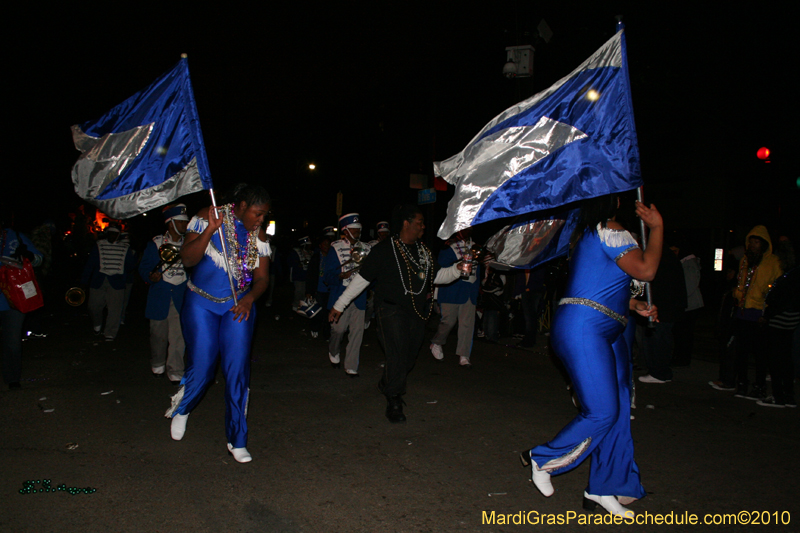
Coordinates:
x,y
89,417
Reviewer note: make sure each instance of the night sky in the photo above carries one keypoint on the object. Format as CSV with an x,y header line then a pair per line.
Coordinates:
x,y
375,92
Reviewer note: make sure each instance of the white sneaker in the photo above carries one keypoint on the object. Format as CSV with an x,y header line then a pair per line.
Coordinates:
x,y
463,361
178,427
650,379
437,352
334,359
240,454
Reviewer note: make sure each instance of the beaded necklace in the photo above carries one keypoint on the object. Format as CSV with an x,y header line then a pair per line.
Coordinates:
x,y
422,270
241,260
747,280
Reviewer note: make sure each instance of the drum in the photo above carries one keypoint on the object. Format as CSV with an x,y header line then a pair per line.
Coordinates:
x,y
309,308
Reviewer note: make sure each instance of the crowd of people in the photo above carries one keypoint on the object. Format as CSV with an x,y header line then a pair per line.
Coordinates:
x,y
206,272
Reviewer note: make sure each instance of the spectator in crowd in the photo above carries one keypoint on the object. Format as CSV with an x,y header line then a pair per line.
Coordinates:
x,y
757,270
669,294
783,316
684,328
14,245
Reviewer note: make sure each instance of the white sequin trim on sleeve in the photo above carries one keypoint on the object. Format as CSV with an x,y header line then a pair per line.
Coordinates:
x,y
615,238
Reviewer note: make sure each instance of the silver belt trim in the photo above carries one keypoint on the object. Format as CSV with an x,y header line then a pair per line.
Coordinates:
x,y
204,294
596,306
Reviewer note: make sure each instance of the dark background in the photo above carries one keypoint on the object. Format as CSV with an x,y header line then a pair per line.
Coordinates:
x,y
372,92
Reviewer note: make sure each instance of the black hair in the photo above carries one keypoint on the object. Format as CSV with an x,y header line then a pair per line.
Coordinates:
x,y
594,211
249,194
401,213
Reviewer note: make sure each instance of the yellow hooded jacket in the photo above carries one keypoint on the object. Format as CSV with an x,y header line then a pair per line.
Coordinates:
x,y
766,272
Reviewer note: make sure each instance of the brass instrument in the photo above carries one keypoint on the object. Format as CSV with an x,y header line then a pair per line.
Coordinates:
x,y
478,252
169,254
75,296
357,255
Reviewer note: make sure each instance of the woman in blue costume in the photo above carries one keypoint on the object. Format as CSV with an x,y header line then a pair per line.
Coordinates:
x,y
588,338
212,325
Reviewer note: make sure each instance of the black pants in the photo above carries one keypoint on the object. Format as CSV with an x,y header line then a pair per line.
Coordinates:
x,y
781,366
750,342
658,345
401,334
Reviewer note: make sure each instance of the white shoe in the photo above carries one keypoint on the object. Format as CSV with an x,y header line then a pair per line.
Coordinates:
x,y
178,427
609,503
334,359
437,352
650,379
240,454
541,478
463,361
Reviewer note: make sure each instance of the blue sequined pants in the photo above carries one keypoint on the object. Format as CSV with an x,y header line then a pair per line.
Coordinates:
x,y
596,356
212,335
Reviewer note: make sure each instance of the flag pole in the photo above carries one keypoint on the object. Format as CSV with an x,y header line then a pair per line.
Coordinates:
x,y
640,197
648,294
220,230
221,234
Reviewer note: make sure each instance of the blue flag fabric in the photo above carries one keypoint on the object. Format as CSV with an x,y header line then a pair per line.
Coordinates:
x,y
145,152
573,141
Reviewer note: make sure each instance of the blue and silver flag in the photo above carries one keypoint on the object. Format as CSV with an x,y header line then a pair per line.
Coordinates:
x,y
573,141
145,152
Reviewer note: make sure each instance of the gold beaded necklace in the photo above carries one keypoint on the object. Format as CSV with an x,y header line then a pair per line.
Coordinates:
x,y
422,272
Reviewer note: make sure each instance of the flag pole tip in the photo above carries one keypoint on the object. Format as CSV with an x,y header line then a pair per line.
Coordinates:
x,y
184,56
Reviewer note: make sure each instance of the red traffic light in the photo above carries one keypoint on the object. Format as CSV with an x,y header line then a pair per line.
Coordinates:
x,y
763,153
